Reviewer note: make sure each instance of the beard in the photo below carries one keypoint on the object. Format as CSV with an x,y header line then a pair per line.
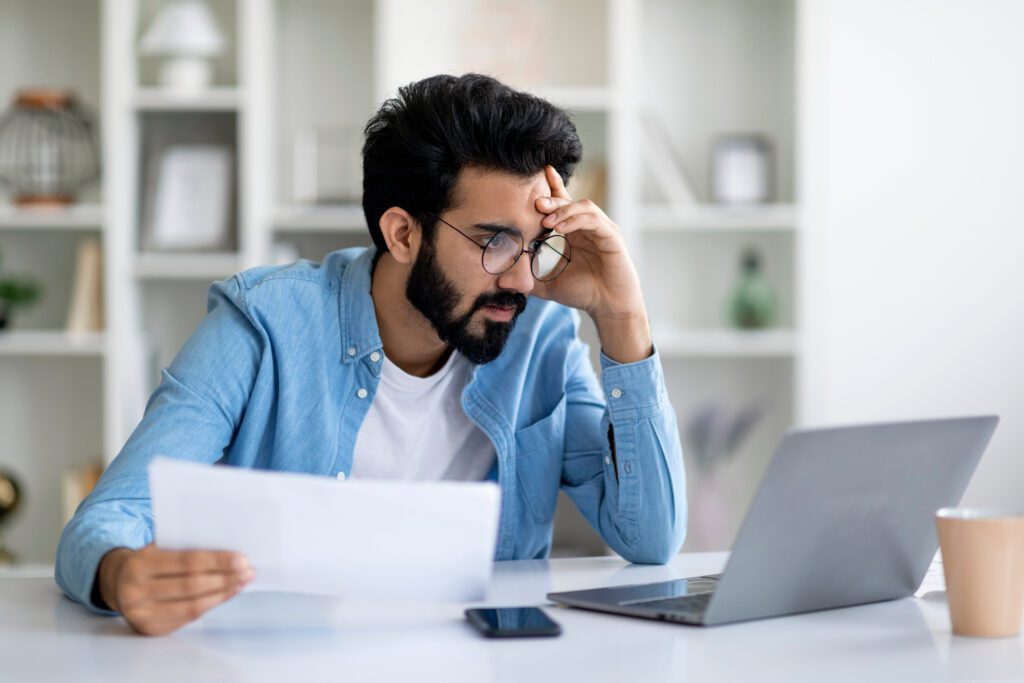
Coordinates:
x,y
435,296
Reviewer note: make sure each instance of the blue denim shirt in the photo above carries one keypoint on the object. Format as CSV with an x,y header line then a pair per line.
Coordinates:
x,y
282,370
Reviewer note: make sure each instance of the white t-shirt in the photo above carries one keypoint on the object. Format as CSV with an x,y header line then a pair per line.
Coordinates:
x,y
416,428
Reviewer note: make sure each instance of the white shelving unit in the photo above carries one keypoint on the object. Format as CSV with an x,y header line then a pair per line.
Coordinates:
x,y
293,65
81,217
56,343
217,99
712,218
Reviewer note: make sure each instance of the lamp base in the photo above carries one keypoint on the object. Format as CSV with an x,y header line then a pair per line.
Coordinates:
x,y
186,74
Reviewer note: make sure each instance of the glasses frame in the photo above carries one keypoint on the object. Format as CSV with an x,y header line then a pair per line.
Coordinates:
x,y
522,249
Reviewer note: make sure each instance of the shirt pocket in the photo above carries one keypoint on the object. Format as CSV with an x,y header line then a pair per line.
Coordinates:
x,y
539,452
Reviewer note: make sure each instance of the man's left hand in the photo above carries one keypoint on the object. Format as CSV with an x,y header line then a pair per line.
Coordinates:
x,y
600,278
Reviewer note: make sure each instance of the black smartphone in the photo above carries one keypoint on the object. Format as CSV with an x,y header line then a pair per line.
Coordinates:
x,y
512,622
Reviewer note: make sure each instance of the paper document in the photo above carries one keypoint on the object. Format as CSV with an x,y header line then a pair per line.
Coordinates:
x,y
372,540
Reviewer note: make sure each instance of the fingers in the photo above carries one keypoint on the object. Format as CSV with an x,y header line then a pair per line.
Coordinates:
x,y
164,617
550,204
176,562
160,590
195,585
573,214
555,183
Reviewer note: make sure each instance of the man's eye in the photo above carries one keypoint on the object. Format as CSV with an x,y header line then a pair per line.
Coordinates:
x,y
500,241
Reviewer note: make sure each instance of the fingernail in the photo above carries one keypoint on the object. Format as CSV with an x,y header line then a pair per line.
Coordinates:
x,y
545,202
240,563
247,575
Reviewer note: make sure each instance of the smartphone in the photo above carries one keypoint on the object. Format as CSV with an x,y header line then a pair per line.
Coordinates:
x,y
512,622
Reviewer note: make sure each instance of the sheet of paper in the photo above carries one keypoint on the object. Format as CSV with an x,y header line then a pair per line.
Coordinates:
x,y
374,540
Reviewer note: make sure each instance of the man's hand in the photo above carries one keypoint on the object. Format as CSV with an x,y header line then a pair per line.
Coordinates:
x,y
601,278
158,591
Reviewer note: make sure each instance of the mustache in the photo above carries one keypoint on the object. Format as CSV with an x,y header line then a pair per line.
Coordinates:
x,y
501,300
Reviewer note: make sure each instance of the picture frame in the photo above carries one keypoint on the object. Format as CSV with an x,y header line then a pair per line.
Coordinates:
x,y
189,184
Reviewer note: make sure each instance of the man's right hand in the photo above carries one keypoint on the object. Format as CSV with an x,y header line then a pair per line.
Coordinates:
x,y
158,591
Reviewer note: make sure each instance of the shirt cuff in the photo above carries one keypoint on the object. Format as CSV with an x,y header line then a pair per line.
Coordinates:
x,y
633,390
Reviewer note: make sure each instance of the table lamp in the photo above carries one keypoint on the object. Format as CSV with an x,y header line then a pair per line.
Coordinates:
x,y
186,34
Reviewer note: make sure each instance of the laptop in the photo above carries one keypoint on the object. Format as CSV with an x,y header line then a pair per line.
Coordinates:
x,y
843,516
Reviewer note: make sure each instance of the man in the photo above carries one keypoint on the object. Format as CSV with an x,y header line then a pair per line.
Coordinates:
x,y
416,359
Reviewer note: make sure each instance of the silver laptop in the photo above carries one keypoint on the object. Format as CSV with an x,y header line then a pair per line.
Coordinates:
x,y
843,516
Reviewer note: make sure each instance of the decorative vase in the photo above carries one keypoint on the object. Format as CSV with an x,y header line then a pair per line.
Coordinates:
x,y
48,149
710,514
10,498
752,302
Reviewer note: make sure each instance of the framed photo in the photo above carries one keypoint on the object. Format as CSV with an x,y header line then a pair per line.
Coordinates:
x,y
191,206
189,187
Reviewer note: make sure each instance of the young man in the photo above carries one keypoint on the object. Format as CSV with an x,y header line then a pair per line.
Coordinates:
x,y
419,358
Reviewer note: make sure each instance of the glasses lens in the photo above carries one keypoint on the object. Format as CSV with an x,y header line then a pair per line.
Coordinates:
x,y
551,257
501,252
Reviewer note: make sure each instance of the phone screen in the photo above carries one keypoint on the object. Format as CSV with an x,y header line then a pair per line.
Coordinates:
x,y
512,622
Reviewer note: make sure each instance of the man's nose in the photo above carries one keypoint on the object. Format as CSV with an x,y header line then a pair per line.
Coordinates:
x,y
518,277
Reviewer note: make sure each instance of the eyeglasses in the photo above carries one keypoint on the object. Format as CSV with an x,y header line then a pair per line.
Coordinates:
x,y
548,255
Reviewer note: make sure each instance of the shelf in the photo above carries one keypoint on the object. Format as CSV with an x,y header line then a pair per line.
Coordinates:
x,y
83,217
305,219
211,266
578,98
215,99
713,218
51,343
771,343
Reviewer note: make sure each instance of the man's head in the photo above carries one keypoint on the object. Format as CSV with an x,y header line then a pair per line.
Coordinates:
x,y
470,152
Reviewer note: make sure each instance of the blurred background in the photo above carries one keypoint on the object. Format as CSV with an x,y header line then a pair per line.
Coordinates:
x,y
824,198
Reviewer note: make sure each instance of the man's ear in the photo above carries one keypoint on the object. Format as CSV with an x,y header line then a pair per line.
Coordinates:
x,y
402,234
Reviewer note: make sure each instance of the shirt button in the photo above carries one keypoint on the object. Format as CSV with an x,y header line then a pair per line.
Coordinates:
x,y
341,476
361,393
351,351
616,392
607,460
375,356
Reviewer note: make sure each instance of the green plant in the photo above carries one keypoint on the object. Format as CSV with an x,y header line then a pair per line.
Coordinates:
x,y
16,291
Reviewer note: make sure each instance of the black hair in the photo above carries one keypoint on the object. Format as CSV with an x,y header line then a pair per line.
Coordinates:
x,y
418,142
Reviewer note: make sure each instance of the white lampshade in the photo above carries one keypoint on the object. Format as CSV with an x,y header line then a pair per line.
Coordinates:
x,y
183,28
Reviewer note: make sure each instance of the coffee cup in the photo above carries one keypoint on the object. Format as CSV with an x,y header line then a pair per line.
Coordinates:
x,y
983,562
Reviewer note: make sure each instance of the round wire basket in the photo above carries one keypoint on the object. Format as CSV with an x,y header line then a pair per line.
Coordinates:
x,y
48,147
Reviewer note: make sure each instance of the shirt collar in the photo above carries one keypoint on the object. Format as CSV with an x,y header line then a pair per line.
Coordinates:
x,y
359,333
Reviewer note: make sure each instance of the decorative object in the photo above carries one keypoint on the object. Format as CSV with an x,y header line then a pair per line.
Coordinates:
x,y
10,499
16,292
714,434
668,173
741,170
327,165
48,148
591,182
77,483
186,35
751,304
191,207
85,313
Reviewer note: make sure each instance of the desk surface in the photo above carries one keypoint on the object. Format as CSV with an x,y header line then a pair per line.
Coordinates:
x,y
280,637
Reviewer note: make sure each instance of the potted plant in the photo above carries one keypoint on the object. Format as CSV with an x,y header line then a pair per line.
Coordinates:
x,y
16,291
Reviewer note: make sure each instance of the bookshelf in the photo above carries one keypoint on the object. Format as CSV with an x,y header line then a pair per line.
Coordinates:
x,y
295,66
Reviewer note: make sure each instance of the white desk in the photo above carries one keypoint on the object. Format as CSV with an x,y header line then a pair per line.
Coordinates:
x,y
277,637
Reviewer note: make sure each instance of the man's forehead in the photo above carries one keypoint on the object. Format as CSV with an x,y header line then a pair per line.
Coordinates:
x,y
476,185
492,196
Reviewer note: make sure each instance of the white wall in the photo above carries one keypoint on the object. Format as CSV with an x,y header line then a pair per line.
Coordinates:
x,y
912,176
